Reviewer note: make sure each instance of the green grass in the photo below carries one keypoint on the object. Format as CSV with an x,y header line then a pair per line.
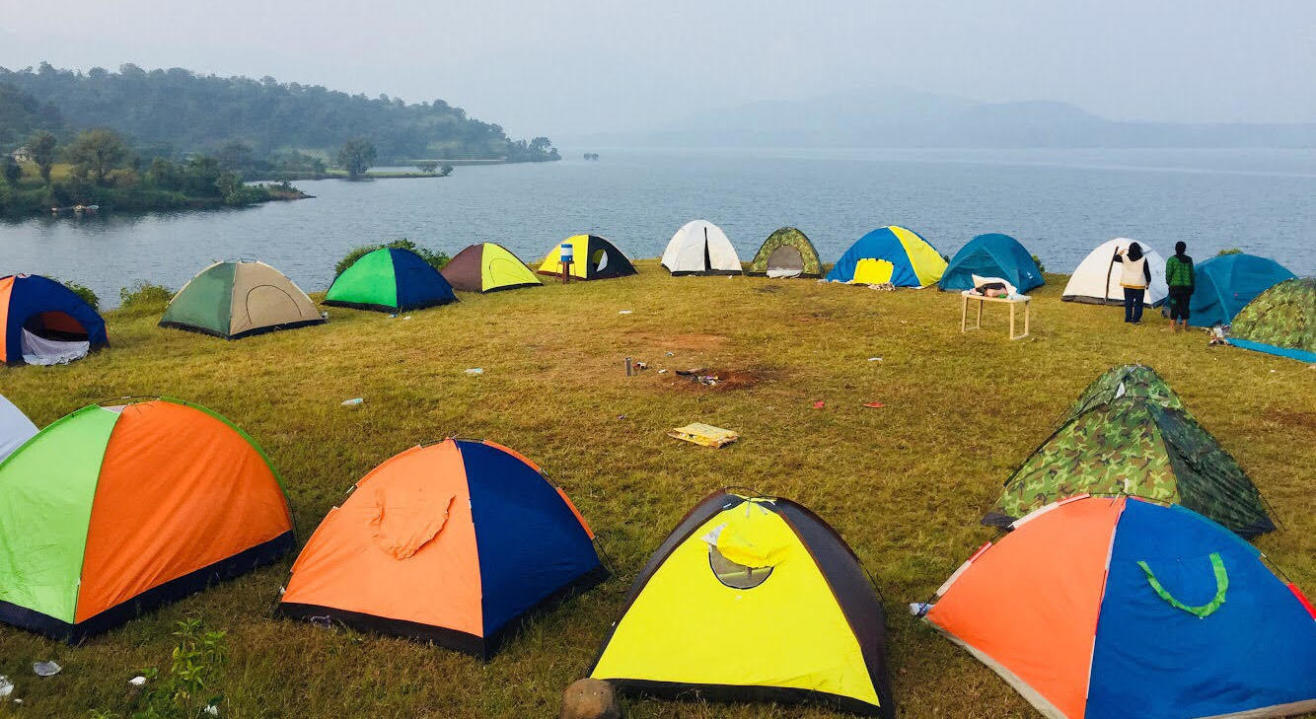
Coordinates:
x,y
905,484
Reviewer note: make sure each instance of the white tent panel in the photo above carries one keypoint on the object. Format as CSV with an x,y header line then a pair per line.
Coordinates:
x,y
15,428
1097,277
701,247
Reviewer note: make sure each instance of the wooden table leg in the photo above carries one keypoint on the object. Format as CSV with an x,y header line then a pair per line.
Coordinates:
x,y
964,313
980,304
1012,304
1028,311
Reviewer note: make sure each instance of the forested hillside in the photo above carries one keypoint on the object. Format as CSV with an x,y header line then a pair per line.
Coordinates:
x,y
175,111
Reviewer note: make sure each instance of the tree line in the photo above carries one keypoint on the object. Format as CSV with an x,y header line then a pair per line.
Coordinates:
x,y
172,113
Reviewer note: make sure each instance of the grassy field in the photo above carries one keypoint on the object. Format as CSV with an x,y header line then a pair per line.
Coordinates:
x,y
905,484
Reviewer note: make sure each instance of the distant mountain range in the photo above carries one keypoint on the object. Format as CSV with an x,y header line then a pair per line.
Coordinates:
x,y
907,118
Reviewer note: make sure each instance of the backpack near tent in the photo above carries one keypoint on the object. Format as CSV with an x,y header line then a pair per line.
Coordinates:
x,y
43,322
700,247
1280,321
1104,608
992,255
593,258
15,428
488,267
752,599
1096,280
786,253
452,543
239,299
389,279
889,254
1225,284
113,511
1130,434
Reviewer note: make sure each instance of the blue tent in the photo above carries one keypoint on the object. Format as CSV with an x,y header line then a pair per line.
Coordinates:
x,y
889,254
992,255
1225,284
45,309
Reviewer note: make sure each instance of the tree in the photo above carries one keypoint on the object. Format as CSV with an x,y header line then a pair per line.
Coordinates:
x,y
445,170
11,170
427,166
356,156
97,153
41,147
235,156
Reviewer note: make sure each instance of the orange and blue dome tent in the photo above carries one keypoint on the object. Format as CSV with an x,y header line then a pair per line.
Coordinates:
x,y
452,543
112,511
1110,607
752,598
889,254
42,321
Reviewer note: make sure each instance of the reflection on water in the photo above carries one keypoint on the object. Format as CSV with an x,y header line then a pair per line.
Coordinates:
x,y
1060,203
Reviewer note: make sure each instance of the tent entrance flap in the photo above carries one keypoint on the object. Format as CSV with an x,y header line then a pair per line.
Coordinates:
x,y
38,350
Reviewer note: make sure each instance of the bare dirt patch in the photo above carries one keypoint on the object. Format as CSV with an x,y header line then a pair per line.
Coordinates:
x,y
720,380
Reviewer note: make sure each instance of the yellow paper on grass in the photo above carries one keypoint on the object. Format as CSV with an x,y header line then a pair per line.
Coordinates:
x,y
705,435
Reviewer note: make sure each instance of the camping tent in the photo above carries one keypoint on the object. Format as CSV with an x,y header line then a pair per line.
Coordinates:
x,y
594,258
451,543
1225,284
1130,434
752,598
993,255
112,511
700,247
889,254
43,322
786,253
15,428
1280,321
389,280
1096,280
1104,608
240,299
488,267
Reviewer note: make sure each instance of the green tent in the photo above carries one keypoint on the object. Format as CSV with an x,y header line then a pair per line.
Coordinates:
x,y
1130,434
240,299
786,253
389,279
1280,321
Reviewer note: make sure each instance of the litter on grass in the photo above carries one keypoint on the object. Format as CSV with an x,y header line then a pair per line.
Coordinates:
x,y
138,681
704,435
6,686
46,669
874,359
354,402
874,405
624,312
475,371
819,404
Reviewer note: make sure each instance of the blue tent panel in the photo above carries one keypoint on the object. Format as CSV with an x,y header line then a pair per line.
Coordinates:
x,y
1290,352
418,284
1228,282
882,244
992,255
530,542
1256,650
33,295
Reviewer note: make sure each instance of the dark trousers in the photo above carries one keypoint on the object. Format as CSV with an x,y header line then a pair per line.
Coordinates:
x,y
1133,304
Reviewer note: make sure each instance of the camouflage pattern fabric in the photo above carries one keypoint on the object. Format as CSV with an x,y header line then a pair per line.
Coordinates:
x,y
1136,446
787,236
1131,380
1282,316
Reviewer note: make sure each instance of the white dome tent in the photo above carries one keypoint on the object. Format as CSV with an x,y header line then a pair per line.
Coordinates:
x,y
701,248
15,428
1096,280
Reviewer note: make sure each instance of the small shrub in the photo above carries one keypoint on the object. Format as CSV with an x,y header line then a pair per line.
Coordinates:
x,y
437,260
144,294
185,691
1231,251
1038,261
85,293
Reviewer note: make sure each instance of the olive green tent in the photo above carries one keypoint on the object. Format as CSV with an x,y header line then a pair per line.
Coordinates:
x,y
1129,433
786,253
239,299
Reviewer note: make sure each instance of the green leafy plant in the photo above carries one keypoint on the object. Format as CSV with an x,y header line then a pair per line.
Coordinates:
x,y
1231,251
85,293
437,260
195,669
1038,261
144,294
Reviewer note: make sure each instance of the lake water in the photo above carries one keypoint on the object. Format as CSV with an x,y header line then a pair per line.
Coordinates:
x,y
1059,203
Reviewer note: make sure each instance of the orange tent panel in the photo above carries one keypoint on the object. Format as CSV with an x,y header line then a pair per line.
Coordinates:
x,y
1021,612
179,490
6,287
401,547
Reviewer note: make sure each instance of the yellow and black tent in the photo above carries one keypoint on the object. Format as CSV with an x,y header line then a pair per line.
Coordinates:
x,y
593,258
752,599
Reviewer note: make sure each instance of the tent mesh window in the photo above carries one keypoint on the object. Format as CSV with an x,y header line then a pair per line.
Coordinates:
x,y
736,576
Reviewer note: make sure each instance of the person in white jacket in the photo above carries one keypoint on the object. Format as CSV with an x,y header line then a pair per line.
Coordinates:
x,y
1135,276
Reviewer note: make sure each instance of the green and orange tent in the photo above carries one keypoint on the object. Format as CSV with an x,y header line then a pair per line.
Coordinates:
x,y
113,511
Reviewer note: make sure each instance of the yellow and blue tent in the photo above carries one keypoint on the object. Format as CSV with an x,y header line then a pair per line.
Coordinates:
x,y
752,598
890,254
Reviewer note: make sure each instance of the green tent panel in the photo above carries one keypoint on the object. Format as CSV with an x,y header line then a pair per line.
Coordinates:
x,y
786,253
239,299
390,279
368,281
48,490
206,302
1129,433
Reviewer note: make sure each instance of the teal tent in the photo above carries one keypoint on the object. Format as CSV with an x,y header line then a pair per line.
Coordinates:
x,y
1225,284
992,255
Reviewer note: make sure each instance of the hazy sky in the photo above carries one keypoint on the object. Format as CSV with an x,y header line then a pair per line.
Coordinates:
x,y
574,66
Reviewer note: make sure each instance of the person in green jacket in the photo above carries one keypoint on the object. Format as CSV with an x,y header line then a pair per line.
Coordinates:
x,y
1181,279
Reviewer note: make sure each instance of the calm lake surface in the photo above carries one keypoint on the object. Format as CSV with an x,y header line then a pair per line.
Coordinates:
x,y
1059,203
